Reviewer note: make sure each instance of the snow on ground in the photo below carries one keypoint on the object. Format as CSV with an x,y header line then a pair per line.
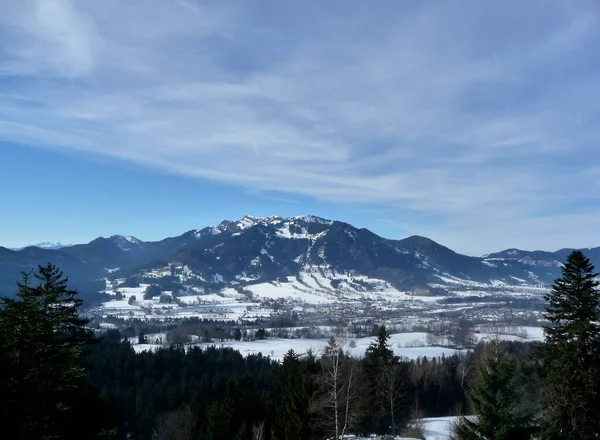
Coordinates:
x,y
139,348
403,345
438,428
534,333
313,286
410,345
291,290
521,334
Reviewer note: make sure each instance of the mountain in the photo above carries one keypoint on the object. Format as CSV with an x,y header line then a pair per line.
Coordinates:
x,y
14,263
45,245
256,250
543,258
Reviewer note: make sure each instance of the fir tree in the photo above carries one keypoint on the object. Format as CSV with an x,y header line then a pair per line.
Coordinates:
x,y
495,398
379,352
384,387
293,411
42,338
571,392
217,424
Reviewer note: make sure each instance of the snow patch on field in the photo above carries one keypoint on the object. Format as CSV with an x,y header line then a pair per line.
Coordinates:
x,y
438,428
403,344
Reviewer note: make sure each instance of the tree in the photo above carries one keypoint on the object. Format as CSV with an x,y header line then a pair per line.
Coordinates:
x,y
131,300
462,335
339,380
176,425
293,416
151,291
571,391
379,351
41,340
495,398
217,423
165,298
237,334
384,385
260,334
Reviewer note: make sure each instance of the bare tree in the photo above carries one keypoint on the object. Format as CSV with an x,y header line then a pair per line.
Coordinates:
x,y
351,392
463,370
176,425
416,372
392,391
258,431
340,382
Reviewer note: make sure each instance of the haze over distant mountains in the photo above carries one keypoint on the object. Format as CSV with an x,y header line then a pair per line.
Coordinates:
x,y
253,250
45,245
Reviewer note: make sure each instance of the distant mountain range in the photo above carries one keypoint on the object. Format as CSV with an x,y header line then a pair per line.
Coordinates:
x,y
258,250
44,245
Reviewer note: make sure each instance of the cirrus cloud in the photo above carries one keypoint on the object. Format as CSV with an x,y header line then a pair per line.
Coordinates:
x,y
479,113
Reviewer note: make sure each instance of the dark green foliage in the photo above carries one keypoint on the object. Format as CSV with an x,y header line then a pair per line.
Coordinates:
x,y
131,282
260,334
42,340
496,398
237,334
385,408
165,298
571,392
217,423
379,353
142,387
151,291
294,393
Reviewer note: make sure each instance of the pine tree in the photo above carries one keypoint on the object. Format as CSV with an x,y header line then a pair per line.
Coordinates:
x,y
384,385
571,392
217,423
293,411
42,339
495,399
379,351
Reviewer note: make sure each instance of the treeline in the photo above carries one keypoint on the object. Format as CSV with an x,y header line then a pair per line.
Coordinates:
x,y
221,394
61,382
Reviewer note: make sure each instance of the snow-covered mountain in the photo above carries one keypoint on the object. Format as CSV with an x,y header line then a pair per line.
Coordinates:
x,y
45,245
256,250
126,243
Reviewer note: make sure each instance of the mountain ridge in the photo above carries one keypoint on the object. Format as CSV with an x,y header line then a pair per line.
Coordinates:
x,y
268,249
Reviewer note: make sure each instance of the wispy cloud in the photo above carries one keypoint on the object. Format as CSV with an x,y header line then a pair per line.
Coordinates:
x,y
472,112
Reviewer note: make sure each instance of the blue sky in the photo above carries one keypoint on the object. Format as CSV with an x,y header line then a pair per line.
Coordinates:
x,y
475,123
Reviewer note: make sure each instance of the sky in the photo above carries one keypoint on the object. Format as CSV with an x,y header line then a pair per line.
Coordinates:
x,y
474,123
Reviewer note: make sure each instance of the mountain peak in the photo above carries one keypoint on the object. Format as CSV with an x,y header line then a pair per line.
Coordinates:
x,y
126,243
45,245
313,219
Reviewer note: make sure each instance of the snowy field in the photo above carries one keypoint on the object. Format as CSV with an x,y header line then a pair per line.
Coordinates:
x,y
410,345
315,291
525,333
438,428
406,345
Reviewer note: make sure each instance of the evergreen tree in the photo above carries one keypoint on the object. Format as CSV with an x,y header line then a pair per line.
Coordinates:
x,y
217,424
383,382
571,392
293,412
496,398
379,352
42,338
